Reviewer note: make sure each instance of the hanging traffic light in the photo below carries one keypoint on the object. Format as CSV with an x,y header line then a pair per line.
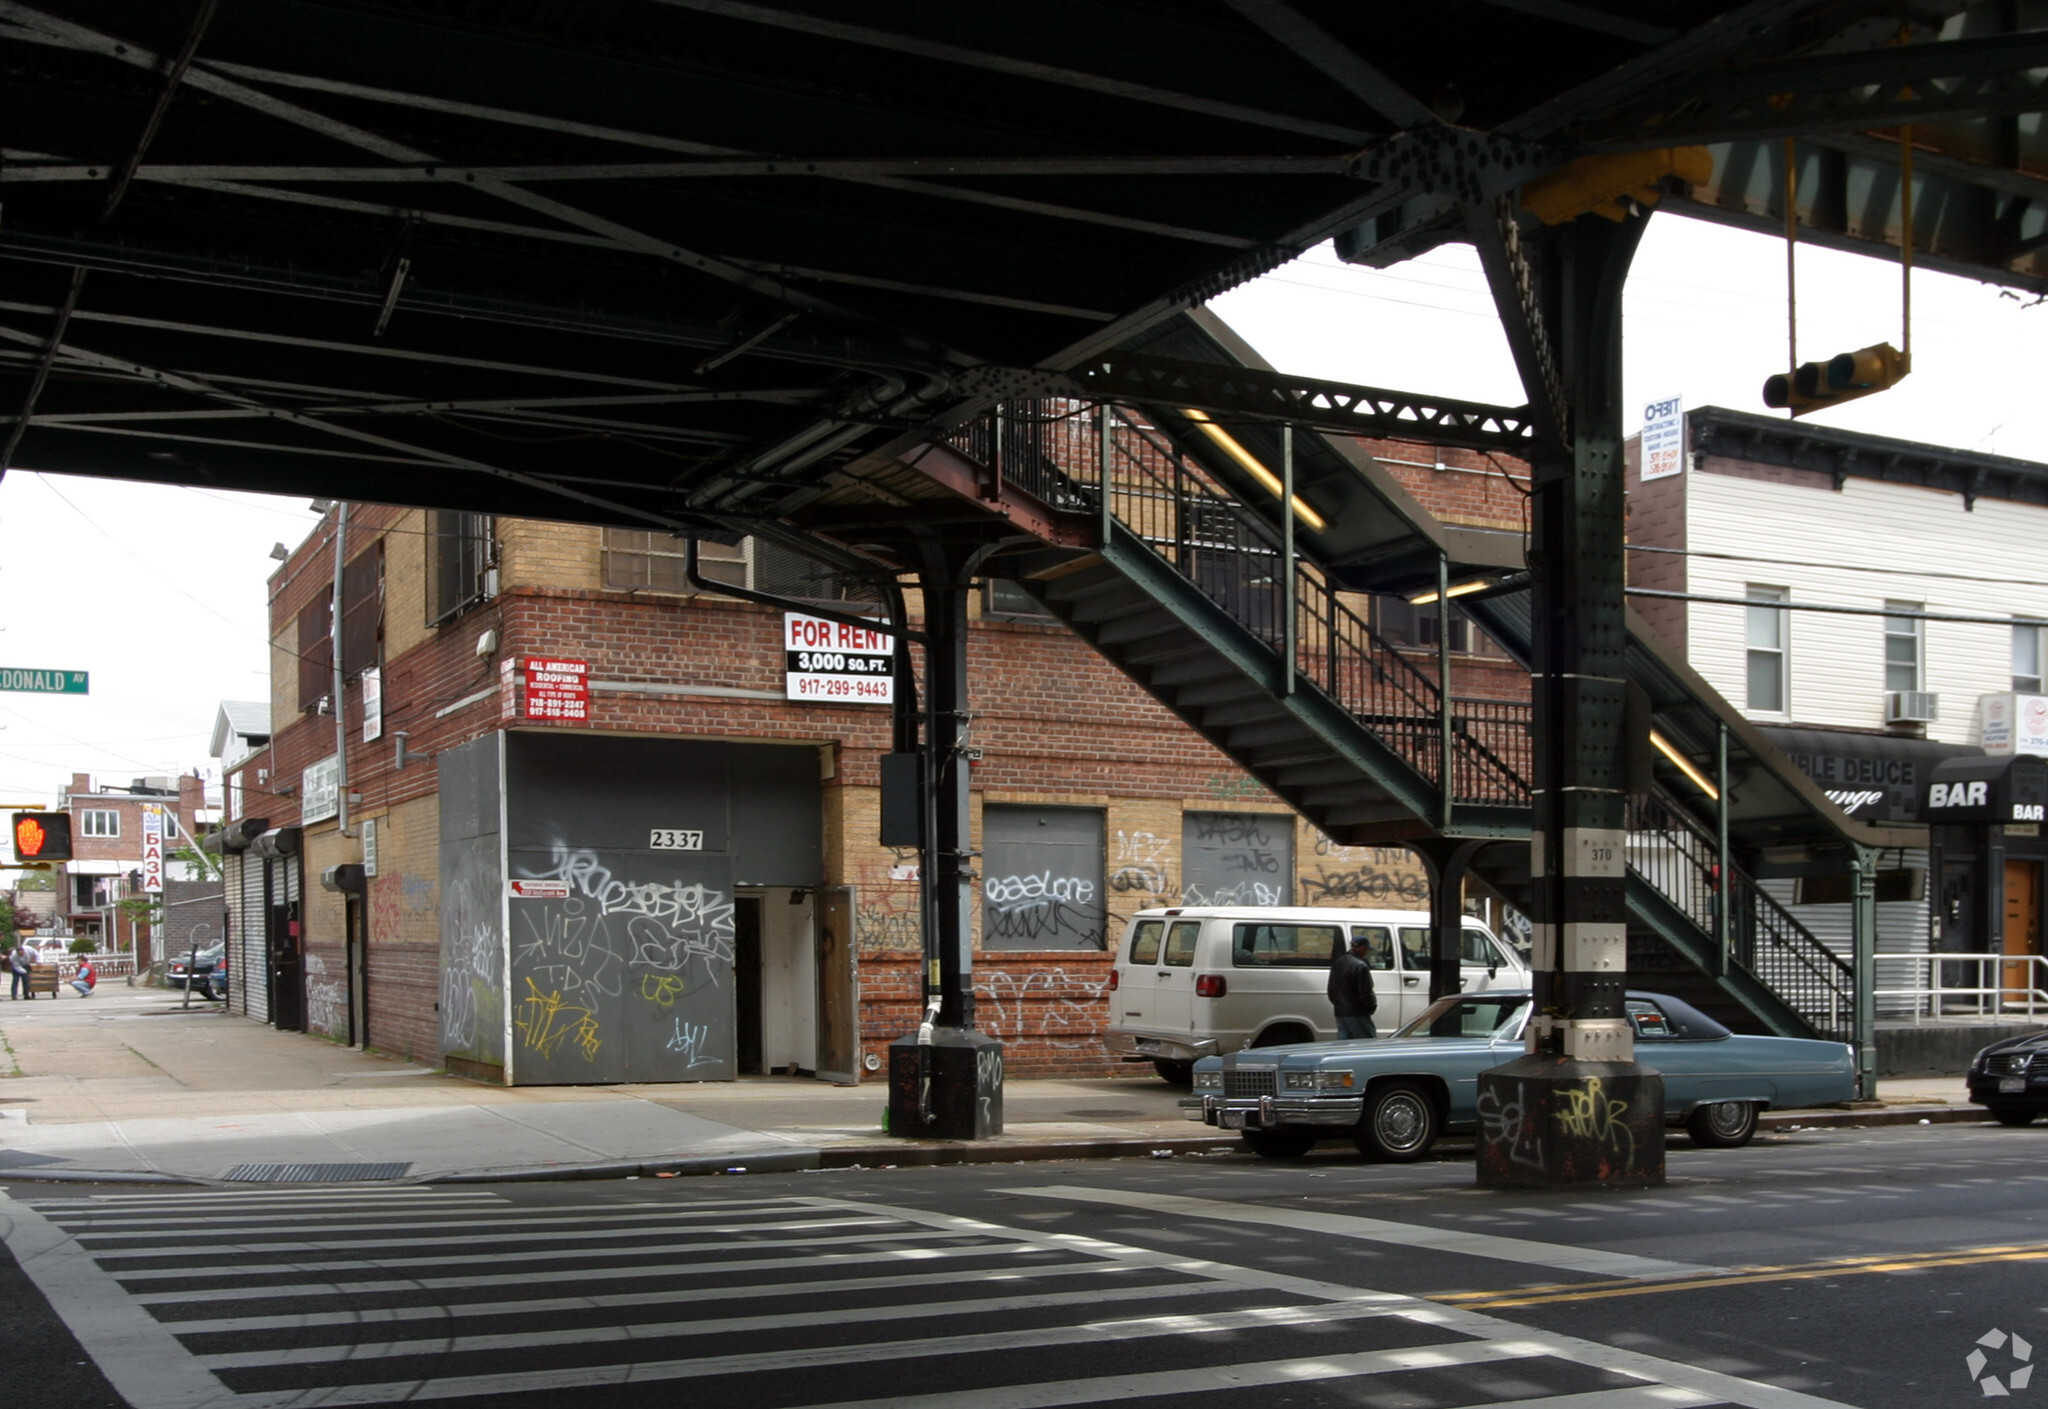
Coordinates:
x,y
1814,385
42,836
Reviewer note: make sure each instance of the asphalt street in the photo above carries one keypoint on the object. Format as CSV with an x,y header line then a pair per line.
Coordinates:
x,y
1844,1266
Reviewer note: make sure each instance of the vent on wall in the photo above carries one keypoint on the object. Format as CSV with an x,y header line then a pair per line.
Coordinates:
x,y
1911,707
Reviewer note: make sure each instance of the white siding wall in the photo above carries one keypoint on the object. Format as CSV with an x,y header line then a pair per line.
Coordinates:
x,y
1836,663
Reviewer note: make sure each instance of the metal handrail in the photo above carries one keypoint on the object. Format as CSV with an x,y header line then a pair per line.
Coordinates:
x,y
1234,557
1668,848
1931,986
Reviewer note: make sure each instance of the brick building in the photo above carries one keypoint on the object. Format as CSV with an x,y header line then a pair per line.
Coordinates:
x,y
511,919
109,859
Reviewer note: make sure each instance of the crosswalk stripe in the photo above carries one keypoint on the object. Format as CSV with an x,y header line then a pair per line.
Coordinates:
x,y
359,1316
468,1259
680,1330
812,1357
469,1240
457,1240
239,1198
527,1277
129,1217
93,1231
1561,1256
1307,1370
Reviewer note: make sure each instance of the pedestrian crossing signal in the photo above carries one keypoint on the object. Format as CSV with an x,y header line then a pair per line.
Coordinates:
x,y
42,836
1812,386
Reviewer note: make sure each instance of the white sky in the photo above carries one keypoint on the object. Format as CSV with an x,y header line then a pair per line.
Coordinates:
x,y
160,592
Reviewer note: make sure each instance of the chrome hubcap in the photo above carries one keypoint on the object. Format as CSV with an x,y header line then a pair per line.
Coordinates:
x,y
1728,1118
1399,1122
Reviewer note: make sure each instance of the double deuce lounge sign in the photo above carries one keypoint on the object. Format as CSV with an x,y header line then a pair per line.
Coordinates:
x,y
1994,790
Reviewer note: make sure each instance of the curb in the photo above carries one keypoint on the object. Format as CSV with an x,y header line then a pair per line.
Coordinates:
x,y
918,1154
785,1161
96,1176
1891,1115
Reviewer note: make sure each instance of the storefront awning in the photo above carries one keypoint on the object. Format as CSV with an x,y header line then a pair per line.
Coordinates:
x,y
1879,778
1964,791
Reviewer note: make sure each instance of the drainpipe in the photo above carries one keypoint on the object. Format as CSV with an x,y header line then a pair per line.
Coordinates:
x,y
334,640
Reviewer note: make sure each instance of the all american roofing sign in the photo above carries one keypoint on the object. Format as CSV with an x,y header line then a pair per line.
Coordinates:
x,y
830,662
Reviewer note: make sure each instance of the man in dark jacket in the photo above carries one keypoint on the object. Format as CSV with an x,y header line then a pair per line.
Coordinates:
x,y
1351,991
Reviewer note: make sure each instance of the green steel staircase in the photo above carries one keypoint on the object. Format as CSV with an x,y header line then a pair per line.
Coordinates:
x,y
1186,590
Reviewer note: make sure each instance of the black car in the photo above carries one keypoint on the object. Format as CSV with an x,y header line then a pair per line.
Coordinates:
x,y
2010,1078
199,966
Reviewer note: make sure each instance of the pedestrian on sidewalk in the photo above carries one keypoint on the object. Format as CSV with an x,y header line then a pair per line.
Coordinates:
x,y
1351,989
19,963
85,980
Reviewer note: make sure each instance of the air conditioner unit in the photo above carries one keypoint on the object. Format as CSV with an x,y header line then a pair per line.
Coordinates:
x,y
1911,707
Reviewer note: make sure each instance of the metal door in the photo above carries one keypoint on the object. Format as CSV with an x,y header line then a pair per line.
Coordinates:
x,y
2022,928
838,1056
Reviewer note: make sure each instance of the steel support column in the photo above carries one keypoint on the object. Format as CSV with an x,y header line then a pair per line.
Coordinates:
x,y
1448,862
1578,1108
1863,953
946,1079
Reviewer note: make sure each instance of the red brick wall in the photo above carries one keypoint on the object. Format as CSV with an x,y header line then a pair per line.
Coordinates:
x,y
1054,721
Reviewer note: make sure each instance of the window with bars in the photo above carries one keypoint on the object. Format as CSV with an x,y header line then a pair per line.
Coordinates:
x,y
462,563
362,611
1416,626
316,651
639,560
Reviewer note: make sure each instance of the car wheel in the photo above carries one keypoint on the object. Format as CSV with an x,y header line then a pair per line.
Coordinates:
x,y
1722,1125
1174,1073
1279,1144
2009,1116
1399,1124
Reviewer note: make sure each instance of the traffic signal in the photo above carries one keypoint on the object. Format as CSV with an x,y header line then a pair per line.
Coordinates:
x,y
1814,385
42,836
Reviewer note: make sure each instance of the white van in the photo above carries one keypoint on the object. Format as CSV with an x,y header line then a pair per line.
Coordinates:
x,y
1200,981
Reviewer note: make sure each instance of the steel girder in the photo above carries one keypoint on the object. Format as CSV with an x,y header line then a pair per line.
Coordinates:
x,y
1255,394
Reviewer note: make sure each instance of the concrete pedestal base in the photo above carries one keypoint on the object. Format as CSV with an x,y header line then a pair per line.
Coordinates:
x,y
949,1090
1552,1122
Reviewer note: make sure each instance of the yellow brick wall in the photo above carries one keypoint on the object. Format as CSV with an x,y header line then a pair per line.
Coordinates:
x,y
325,938
284,673
405,894
559,555
405,583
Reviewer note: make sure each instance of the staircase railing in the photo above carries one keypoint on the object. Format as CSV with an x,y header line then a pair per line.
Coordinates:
x,y
1671,851
1054,450
1168,501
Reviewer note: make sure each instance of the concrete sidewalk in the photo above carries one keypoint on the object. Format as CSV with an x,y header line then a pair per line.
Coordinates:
x,y
130,1084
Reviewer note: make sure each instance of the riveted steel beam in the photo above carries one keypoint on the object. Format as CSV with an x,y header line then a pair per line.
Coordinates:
x,y
1256,394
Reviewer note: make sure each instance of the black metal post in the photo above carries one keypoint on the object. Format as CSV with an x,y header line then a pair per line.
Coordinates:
x,y
1579,1108
946,1079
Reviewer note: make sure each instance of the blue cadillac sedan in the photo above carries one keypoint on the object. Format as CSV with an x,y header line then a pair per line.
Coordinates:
x,y
1394,1096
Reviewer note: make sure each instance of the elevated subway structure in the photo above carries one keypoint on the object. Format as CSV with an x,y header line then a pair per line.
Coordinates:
x,y
715,268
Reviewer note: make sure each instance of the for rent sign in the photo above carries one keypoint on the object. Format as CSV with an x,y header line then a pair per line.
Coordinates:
x,y
834,662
